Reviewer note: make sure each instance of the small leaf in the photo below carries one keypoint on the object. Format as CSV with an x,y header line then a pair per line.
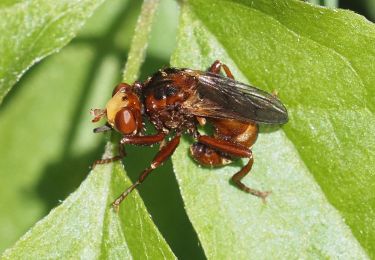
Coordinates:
x,y
31,30
321,62
85,226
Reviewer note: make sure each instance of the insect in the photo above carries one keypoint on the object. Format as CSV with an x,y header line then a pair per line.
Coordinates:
x,y
176,101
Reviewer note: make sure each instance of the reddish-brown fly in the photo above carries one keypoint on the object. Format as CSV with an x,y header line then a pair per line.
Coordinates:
x,y
176,101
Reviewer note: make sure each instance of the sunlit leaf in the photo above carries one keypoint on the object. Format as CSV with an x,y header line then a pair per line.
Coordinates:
x,y
320,165
30,30
85,226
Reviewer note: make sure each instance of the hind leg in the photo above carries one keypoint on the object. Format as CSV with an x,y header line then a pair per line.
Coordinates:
x,y
207,156
218,146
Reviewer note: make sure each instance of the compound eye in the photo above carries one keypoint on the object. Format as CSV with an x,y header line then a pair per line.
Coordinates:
x,y
120,87
125,121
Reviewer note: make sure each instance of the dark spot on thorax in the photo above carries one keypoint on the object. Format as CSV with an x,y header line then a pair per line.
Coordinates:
x,y
159,93
171,90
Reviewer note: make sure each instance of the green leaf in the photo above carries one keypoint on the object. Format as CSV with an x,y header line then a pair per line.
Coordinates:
x,y
43,162
50,146
31,30
137,52
320,168
85,226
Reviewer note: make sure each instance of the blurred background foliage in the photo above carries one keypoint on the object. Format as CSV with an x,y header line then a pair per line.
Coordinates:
x,y
363,7
46,133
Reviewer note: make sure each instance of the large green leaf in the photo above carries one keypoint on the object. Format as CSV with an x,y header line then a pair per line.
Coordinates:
x,y
85,226
30,30
320,168
46,143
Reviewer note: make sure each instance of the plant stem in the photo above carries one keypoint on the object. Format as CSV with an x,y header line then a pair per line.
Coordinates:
x,y
327,3
139,42
137,53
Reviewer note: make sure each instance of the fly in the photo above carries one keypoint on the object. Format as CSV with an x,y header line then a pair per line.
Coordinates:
x,y
176,101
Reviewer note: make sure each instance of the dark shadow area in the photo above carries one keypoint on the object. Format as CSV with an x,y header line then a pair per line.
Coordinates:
x,y
358,6
63,177
163,200
160,192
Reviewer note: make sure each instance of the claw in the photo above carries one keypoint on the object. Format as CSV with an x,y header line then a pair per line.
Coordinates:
x,y
263,195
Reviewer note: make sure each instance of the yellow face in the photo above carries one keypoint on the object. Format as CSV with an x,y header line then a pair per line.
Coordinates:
x,y
115,104
123,111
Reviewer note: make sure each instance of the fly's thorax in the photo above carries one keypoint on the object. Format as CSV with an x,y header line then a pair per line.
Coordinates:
x,y
168,88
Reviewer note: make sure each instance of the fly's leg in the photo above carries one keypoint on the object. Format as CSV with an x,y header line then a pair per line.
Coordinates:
x,y
143,139
137,140
216,67
235,150
121,154
165,152
207,156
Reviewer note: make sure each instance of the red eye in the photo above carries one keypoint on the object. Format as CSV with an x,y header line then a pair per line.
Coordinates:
x,y
125,121
119,87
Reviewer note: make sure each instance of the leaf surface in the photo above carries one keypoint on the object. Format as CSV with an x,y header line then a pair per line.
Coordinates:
x,y
85,226
31,30
320,166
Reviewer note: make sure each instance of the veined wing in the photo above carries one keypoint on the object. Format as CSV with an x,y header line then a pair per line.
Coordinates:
x,y
221,97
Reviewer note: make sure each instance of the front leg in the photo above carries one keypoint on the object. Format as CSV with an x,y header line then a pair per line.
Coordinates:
x,y
121,154
165,152
137,140
143,140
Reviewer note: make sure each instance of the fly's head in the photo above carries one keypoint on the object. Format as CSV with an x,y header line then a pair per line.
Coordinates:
x,y
123,111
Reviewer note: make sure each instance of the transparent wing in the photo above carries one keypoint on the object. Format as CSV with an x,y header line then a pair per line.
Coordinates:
x,y
221,97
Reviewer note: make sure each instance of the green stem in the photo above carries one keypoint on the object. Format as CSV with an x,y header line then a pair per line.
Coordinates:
x,y
139,42
327,3
137,53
